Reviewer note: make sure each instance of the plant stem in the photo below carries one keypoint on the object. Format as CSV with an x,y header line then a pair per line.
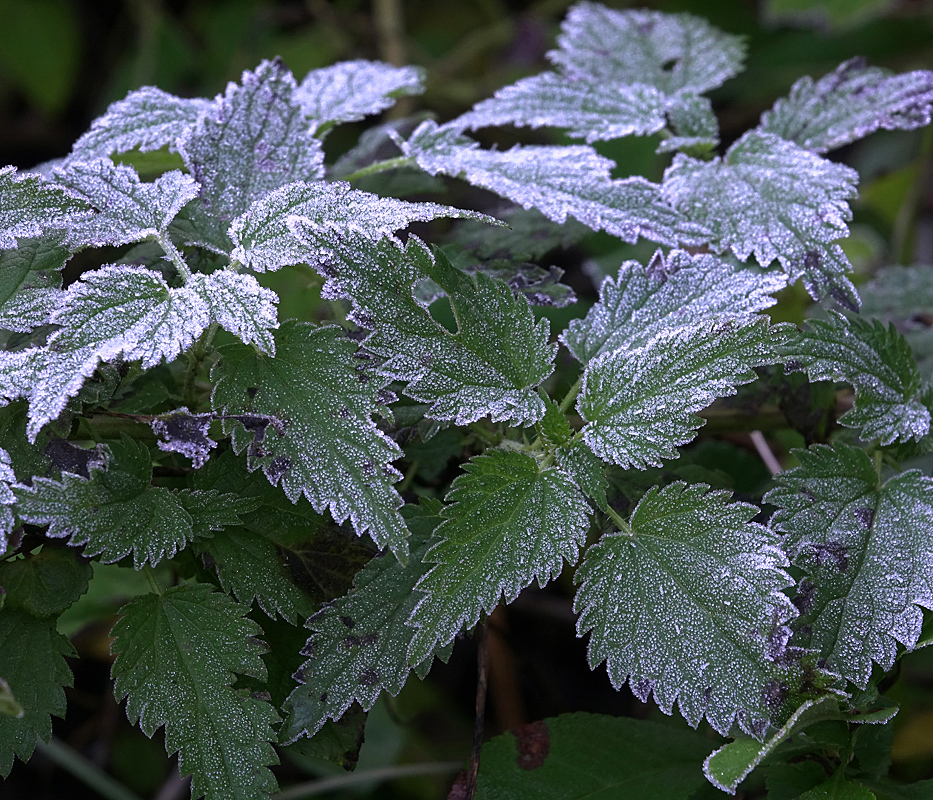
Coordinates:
x,y
482,678
174,253
85,771
907,215
622,525
195,356
571,395
379,166
150,576
338,782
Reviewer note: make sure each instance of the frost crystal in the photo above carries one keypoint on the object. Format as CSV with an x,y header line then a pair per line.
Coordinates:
x,y
848,104
7,498
687,606
240,305
180,431
30,206
351,90
694,123
30,281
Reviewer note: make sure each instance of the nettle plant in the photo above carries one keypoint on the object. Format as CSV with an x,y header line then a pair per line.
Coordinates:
x,y
160,415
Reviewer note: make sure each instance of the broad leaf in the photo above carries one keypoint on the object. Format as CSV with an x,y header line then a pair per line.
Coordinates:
x,y
848,104
560,182
360,642
30,281
878,363
641,404
351,90
687,605
146,119
864,548
127,210
45,583
240,305
31,207
265,237
314,432
113,513
177,655
695,127
251,141
7,499
510,522
770,198
671,292
672,52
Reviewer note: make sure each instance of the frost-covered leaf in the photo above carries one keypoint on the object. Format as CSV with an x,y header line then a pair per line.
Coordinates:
x,y
509,523
251,141
848,104
877,361
672,52
30,282
111,311
265,239
177,655
360,642
770,198
31,207
240,305
180,431
490,366
560,182
315,433
351,90
7,498
589,109
687,605
695,127
127,210
641,404
866,554
113,513
146,119
45,583
671,292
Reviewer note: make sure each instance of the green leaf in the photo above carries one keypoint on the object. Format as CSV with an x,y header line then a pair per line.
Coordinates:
x,y
838,788
577,756
695,127
770,198
877,361
113,513
510,522
30,282
310,415
240,305
672,291
31,207
865,552
7,499
360,642
640,405
687,605
848,104
44,584
337,741
176,655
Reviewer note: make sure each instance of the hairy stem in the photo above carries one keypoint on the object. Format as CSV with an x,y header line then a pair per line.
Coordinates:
x,y
85,771
168,247
337,782
571,395
380,166
196,355
150,576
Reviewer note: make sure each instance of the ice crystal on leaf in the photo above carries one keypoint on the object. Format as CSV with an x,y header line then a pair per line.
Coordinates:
x,y
694,125
865,550
7,499
849,103
877,361
640,405
687,605
176,658
351,90
240,305
30,281
509,521
671,292
31,207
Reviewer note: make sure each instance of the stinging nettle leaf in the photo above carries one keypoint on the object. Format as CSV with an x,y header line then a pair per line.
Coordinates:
x,y
864,547
671,291
146,119
848,104
687,605
640,405
510,522
30,282
877,361
316,434
240,305
31,207
176,656
351,90
7,499
694,125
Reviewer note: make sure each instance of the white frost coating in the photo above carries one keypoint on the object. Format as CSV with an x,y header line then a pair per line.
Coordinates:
x,y
29,308
7,498
866,554
773,199
128,210
688,607
265,238
507,524
559,182
351,90
145,119
31,206
640,405
673,52
694,124
848,104
240,305
588,110
670,292
877,361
